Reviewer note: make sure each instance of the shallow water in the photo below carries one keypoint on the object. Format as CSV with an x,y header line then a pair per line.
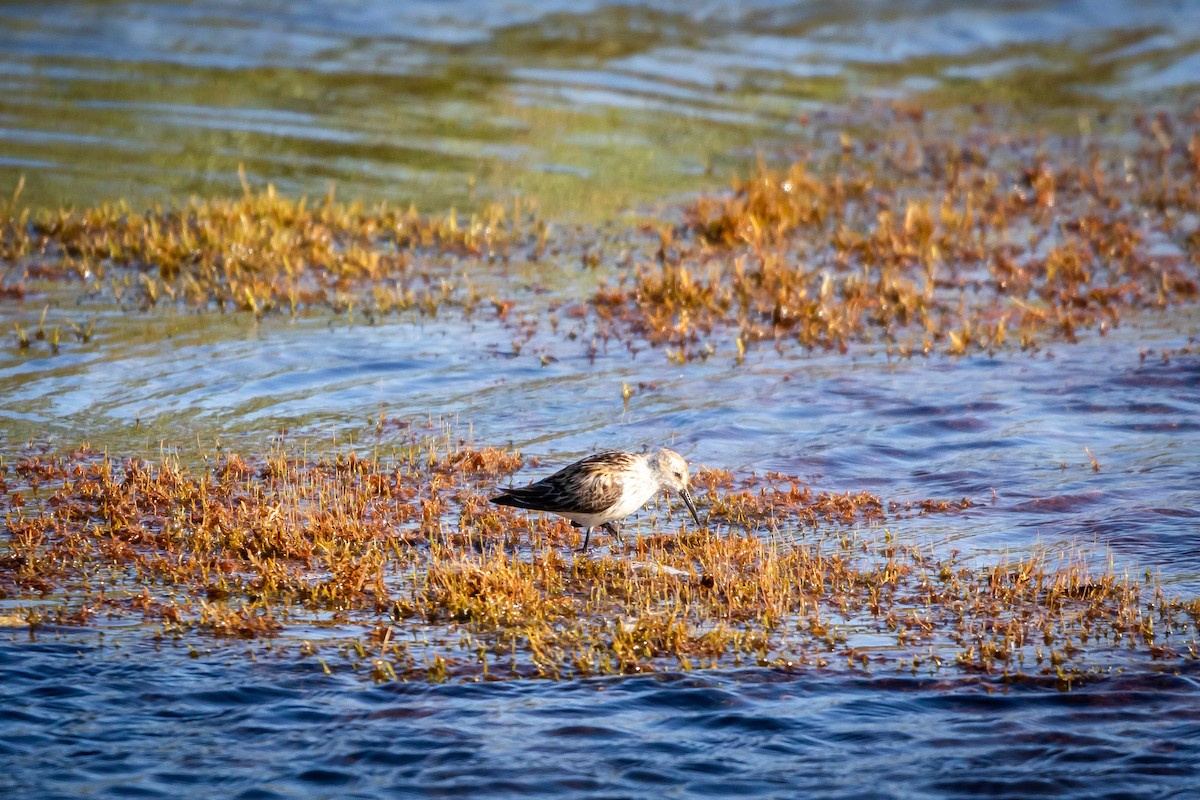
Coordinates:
x,y
587,106
158,724
154,100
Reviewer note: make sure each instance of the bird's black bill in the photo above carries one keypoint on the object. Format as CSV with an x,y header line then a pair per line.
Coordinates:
x,y
687,499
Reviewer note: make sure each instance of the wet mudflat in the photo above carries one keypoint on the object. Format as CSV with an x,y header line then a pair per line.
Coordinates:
x,y
935,367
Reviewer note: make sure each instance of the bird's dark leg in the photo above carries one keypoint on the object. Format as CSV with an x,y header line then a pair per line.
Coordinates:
x,y
612,528
587,534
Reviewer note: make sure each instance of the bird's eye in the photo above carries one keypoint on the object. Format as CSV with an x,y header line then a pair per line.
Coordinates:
x,y
679,475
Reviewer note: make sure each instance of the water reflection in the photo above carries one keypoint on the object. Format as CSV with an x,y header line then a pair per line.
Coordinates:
x,y
450,103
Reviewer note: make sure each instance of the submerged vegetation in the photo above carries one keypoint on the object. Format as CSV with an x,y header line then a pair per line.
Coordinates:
x,y
927,241
395,564
260,253
906,231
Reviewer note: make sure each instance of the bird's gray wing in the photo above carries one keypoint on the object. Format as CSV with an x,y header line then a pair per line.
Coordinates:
x,y
588,486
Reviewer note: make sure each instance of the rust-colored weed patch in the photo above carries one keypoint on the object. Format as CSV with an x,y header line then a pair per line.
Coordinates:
x,y
906,231
409,572
926,241
262,253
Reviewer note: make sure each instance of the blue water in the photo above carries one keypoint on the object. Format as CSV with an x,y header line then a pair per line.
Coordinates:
x,y
87,720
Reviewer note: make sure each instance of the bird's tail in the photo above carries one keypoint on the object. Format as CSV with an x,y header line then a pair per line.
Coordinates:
x,y
513,497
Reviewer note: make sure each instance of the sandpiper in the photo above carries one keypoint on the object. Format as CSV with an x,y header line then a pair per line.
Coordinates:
x,y
605,487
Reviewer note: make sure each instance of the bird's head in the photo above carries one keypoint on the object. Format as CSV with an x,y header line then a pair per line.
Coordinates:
x,y
672,473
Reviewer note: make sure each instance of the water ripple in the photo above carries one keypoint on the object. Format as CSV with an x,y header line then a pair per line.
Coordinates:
x,y
752,733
